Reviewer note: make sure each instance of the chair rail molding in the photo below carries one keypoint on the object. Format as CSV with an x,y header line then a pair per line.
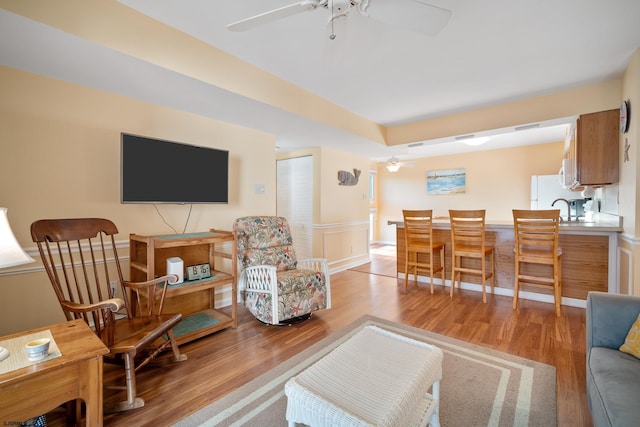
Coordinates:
x,y
121,245
339,224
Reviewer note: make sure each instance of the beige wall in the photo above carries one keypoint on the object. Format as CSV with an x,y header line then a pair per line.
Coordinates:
x,y
342,203
60,157
629,197
497,180
344,211
629,190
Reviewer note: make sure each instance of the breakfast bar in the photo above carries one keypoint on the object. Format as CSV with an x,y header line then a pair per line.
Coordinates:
x,y
588,260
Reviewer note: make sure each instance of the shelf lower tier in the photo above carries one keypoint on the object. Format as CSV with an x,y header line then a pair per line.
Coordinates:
x,y
200,324
188,287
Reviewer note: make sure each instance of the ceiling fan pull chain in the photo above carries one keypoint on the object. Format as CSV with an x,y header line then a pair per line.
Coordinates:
x,y
342,12
332,36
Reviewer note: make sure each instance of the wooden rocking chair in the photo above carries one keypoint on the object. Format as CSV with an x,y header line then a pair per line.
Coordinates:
x,y
79,256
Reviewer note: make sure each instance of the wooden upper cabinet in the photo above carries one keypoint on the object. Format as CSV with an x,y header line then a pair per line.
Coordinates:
x,y
597,148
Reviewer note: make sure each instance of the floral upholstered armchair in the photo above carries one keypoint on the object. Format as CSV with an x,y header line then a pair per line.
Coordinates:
x,y
274,285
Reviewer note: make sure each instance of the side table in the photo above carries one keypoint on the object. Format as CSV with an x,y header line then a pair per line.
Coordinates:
x,y
40,387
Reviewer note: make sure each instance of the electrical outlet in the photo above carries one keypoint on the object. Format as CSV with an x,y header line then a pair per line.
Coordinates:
x,y
114,286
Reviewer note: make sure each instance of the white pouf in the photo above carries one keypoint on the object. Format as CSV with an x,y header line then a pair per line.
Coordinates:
x,y
375,378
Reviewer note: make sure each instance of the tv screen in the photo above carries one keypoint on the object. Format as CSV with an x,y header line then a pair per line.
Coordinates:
x,y
157,171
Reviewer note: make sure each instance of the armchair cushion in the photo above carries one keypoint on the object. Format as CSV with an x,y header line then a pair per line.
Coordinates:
x,y
266,240
283,258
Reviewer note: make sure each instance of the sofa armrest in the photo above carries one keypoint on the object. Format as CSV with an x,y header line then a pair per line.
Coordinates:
x,y
609,317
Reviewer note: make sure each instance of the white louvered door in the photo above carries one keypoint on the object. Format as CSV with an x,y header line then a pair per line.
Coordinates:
x,y
295,201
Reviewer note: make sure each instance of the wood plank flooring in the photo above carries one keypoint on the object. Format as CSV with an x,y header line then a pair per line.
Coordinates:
x,y
226,360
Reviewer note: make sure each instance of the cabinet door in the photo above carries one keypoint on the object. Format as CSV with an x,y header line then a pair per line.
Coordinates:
x,y
597,148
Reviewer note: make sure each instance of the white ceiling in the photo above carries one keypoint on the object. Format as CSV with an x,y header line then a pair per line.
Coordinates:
x,y
491,52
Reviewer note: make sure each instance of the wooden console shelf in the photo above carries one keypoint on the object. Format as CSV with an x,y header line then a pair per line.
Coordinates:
x,y
195,299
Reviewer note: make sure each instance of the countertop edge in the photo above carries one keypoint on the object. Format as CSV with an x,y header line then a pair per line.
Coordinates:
x,y
609,224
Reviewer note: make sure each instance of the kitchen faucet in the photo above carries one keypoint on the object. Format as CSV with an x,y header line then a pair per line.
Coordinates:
x,y
568,207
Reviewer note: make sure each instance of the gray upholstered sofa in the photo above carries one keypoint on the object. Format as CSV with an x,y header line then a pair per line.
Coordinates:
x,y
613,377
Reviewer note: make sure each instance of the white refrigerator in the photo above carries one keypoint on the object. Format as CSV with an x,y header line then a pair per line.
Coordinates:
x,y
547,188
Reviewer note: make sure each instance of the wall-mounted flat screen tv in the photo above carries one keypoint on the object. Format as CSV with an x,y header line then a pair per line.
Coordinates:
x,y
157,171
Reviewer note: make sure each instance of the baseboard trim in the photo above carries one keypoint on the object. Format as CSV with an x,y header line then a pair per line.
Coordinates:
x,y
348,266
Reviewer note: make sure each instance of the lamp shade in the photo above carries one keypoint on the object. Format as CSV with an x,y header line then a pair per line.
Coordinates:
x,y
11,253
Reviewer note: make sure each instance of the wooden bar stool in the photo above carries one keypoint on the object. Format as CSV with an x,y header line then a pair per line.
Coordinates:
x,y
536,242
419,240
467,240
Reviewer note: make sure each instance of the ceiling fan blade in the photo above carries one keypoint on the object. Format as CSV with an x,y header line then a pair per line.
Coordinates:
x,y
410,15
273,15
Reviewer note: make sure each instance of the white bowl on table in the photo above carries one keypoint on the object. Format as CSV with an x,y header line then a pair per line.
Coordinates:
x,y
38,349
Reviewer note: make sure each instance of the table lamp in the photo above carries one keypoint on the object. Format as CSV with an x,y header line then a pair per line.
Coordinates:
x,y
11,254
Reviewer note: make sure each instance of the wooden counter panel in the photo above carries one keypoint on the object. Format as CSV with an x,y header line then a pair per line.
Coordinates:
x,y
584,264
584,261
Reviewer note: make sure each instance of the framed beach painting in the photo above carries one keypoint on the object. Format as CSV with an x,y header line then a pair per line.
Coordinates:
x,y
451,181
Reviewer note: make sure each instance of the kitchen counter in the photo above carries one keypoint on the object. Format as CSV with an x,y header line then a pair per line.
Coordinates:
x,y
589,248
602,223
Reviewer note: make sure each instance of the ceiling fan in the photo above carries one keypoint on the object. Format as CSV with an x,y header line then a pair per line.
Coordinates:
x,y
393,164
411,15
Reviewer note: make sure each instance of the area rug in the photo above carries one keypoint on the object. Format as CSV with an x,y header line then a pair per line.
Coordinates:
x,y
480,386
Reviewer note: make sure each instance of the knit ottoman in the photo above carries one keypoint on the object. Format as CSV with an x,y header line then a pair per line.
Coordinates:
x,y
375,378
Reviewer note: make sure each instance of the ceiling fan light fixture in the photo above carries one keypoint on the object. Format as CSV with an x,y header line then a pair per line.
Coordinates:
x,y
393,167
393,164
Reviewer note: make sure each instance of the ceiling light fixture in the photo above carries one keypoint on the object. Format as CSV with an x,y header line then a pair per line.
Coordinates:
x,y
393,164
477,141
472,139
393,167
